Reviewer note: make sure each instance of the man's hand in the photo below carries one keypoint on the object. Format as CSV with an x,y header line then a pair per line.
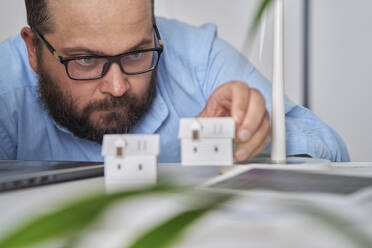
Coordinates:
x,y
247,107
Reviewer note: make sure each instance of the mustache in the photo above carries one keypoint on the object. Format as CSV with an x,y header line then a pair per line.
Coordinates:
x,y
126,100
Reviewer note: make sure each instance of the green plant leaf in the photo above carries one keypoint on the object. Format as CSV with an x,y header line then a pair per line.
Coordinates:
x,y
264,5
169,232
71,218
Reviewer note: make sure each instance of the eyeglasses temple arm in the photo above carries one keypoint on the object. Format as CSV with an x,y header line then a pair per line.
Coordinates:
x,y
46,43
159,37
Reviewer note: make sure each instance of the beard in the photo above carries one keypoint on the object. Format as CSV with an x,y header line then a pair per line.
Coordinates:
x,y
64,109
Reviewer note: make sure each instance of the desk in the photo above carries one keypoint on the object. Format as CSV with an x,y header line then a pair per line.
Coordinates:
x,y
259,218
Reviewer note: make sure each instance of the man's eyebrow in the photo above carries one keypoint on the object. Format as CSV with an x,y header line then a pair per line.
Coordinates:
x,y
88,51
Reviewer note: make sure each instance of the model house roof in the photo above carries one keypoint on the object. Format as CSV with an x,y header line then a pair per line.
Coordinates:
x,y
131,145
210,128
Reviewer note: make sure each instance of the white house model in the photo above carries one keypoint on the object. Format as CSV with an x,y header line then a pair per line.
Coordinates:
x,y
131,159
207,141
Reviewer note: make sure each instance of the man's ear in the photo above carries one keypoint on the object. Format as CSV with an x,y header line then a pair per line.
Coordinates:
x,y
28,37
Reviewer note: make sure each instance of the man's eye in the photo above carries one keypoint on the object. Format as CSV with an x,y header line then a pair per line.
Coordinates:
x,y
135,55
86,61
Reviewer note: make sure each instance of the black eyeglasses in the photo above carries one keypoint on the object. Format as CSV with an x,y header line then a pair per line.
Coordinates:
x,y
95,67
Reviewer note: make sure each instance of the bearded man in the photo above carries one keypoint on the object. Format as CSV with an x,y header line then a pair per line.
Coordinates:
x,y
86,68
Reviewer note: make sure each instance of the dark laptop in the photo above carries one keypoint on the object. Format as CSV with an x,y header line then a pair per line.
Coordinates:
x,y
24,174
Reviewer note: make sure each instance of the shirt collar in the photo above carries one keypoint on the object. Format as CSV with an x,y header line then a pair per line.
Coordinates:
x,y
155,117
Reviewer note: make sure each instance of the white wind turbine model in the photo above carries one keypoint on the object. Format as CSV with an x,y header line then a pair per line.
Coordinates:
x,y
278,146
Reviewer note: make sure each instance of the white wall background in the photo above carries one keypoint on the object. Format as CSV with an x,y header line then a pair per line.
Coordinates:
x,y
342,70
12,17
341,53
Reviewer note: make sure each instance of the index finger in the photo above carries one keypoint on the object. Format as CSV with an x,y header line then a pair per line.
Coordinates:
x,y
239,101
254,116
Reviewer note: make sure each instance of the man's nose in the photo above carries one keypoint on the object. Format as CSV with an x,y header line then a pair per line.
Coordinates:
x,y
115,82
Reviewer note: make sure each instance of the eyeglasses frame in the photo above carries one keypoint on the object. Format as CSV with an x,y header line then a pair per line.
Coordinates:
x,y
110,59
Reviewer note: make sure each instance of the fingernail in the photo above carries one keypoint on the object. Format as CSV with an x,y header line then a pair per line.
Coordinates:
x,y
241,155
245,135
239,116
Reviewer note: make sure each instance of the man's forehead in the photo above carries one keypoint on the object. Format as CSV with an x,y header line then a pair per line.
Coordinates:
x,y
99,14
91,23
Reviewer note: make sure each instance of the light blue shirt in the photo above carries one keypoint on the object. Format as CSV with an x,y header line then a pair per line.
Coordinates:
x,y
194,63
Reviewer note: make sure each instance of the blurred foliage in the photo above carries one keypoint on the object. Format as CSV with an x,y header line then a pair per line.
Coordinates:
x,y
68,222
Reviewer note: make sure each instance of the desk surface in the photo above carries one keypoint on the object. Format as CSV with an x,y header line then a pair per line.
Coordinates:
x,y
259,218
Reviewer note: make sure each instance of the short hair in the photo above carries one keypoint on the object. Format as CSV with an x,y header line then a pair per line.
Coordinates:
x,y
38,17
